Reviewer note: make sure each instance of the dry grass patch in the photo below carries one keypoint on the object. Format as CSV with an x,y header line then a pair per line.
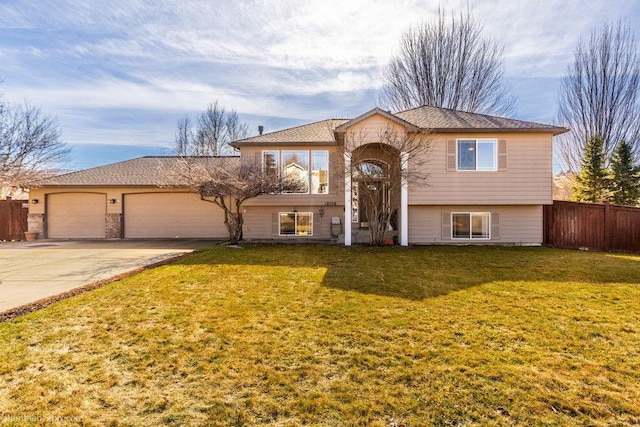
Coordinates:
x,y
316,335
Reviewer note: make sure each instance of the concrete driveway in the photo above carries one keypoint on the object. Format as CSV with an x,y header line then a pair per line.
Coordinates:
x,y
44,268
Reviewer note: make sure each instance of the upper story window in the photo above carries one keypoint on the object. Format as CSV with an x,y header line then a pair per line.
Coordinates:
x,y
303,171
319,172
271,161
295,171
477,155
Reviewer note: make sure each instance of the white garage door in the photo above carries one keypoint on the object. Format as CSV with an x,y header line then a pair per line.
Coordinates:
x,y
76,216
171,215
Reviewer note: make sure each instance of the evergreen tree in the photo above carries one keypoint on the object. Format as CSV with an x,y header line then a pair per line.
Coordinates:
x,y
625,176
592,183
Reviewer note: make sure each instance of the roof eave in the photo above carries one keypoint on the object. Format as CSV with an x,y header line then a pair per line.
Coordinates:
x,y
263,143
555,130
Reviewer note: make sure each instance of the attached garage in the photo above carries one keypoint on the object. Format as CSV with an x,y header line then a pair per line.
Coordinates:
x,y
171,215
76,215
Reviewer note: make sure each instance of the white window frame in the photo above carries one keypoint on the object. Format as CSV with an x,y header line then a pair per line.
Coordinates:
x,y
295,224
311,153
477,141
471,215
279,154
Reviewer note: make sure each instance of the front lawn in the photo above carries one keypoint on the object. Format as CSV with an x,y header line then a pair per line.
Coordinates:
x,y
292,335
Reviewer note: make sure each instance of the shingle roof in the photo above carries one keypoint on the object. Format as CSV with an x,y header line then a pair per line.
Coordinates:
x,y
318,132
435,119
149,171
446,120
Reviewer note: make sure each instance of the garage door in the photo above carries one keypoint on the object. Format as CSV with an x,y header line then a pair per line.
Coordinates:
x,y
76,216
171,215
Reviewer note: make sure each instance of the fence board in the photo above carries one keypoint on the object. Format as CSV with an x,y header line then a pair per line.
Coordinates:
x,y
13,219
602,227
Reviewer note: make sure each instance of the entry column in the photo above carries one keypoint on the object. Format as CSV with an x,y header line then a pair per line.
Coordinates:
x,y
404,200
347,199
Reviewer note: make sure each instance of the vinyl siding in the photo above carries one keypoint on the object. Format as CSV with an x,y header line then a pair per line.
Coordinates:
x,y
526,180
261,222
519,225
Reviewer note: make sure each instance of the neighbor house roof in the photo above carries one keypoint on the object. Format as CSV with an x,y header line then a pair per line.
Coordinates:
x,y
313,133
441,120
152,171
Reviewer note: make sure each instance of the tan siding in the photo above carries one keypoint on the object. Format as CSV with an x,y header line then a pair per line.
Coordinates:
x,y
258,222
518,224
369,130
527,179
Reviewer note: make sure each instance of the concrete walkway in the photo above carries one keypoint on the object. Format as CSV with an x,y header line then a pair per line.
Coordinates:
x,y
44,268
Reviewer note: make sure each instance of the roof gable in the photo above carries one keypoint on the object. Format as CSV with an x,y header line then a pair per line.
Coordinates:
x,y
377,111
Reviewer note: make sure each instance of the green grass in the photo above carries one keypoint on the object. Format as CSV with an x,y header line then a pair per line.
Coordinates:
x,y
316,335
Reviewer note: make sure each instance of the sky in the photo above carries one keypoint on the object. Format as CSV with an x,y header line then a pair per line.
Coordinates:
x,y
118,75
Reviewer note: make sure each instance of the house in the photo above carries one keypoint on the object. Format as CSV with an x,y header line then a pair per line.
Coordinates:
x,y
489,178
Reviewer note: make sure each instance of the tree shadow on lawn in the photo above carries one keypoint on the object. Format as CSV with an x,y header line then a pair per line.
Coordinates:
x,y
417,273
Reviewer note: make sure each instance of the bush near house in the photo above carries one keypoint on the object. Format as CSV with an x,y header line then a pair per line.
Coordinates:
x,y
319,335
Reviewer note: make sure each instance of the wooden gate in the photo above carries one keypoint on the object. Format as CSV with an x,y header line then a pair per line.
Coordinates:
x,y
13,219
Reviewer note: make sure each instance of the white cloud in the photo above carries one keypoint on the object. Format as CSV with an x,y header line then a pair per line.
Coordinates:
x,y
294,59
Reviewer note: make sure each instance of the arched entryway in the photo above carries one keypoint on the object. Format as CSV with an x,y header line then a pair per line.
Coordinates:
x,y
375,192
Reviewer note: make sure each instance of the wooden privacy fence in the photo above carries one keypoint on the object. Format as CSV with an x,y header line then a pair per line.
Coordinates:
x,y
13,219
592,226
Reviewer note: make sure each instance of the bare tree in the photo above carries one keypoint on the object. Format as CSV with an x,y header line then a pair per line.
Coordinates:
x,y
447,63
380,162
600,95
228,182
216,128
30,146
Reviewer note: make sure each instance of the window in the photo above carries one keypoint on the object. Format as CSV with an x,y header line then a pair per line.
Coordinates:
x,y
299,176
270,164
477,155
295,171
296,223
470,225
319,172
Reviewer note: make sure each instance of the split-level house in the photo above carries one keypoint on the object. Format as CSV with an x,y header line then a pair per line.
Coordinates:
x,y
487,181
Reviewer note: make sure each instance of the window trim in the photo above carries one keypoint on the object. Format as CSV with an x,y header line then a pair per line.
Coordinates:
x,y
494,142
295,224
471,214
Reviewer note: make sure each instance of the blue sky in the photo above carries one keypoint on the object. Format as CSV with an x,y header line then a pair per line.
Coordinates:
x,y
119,75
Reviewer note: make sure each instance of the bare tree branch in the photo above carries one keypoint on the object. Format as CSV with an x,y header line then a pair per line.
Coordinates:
x,y
30,146
447,63
215,129
600,96
228,182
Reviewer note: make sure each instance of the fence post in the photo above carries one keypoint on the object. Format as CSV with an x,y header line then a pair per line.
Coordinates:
x,y
607,226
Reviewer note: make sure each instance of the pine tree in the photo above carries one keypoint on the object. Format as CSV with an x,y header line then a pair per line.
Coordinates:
x,y
592,182
625,176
